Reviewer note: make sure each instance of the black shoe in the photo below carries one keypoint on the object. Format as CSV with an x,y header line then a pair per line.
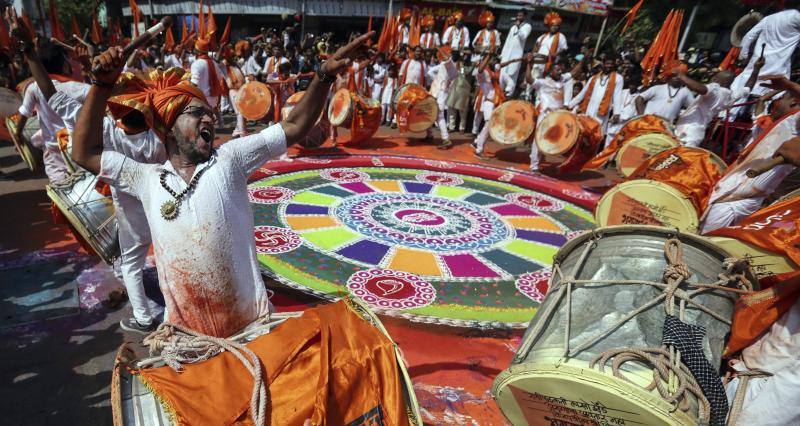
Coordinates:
x,y
132,325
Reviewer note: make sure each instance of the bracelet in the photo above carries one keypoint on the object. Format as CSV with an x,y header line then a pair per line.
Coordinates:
x,y
102,84
326,78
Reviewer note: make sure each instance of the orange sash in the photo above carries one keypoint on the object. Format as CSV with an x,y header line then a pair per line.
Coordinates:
x,y
499,96
605,105
644,125
449,40
213,80
366,120
553,52
492,38
428,43
329,365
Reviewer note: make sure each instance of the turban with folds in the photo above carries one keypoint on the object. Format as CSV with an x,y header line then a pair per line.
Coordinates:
x,y
160,96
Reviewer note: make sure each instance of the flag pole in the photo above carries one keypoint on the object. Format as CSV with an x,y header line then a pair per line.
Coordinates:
x,y
688,27
600,36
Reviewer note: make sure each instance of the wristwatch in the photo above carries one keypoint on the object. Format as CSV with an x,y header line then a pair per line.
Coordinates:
x,y
326,78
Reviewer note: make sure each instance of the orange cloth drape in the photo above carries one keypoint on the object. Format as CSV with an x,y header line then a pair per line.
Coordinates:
x,y
552,54
729,63
755,313
492,38
366,120
605,105
691,171
161,97
213,80
644,125
329,366
775,228
405,103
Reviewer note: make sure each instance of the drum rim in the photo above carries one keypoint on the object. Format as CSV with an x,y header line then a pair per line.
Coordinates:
x,y
503,106
625,146
349,108
727,239
668,124
240,99
661,185
24,147
539,128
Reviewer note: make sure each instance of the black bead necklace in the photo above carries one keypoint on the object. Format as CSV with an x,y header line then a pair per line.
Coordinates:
x,y
170,208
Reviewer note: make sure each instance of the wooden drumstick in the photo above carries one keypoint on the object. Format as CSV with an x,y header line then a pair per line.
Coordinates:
x,y
142,39
62,44
758,170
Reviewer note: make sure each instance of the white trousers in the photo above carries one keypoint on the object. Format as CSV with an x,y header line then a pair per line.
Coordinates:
x,y
691,134
241,124
486,111
720,215
54,166
134,243
441,122
512,71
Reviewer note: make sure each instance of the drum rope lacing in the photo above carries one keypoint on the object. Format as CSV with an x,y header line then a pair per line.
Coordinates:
x,y
741,390
665,361
176,346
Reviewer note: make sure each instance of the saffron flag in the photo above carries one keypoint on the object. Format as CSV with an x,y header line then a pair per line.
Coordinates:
x,y
631,16
135,12
169,40
226,33
55,26
75,29
97,30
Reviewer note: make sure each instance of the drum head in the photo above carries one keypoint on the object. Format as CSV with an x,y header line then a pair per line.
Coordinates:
x,y
762,262
640,149
647,202
10,101
24,147
513,122
341,107
254,100
665,124
423,115
557,133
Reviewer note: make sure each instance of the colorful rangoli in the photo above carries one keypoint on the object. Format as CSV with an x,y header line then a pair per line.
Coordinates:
x,y
431,241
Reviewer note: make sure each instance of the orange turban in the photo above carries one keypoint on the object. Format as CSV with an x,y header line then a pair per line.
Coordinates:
x,y
202,45
485,17
405,13
458,15
241,47
160,96
552,18
427,20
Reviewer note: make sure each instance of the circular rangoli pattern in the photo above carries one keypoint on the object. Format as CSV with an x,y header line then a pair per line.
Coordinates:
x,y
458,246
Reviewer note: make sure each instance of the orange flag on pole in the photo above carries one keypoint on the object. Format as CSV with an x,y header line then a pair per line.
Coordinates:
x,y
5,39
27,21
75,28
97,30
55,26
201,22
169,40
184,32
135,12
631,16
226,33
114,33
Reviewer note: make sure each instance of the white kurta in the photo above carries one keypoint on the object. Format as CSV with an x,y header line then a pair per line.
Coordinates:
x,y
626,110
172,61
597,95
483,40
692,123
666,101
201,77
251,67
780,32
552,94
456,38
545,43
429,40
414,72
403,31
206,256
514,48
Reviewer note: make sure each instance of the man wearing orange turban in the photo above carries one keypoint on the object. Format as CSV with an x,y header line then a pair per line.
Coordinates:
x,y
488,38
206,72
196,202
549,45
457,35
429,39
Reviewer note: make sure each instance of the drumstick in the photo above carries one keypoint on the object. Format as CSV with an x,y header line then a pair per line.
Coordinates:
x,y
142,39
80,40
758,170
62,44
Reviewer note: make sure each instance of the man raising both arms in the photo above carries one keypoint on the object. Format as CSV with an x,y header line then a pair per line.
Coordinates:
x,y
196,202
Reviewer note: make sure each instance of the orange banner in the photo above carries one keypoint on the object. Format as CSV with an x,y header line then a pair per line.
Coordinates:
x,y
691,171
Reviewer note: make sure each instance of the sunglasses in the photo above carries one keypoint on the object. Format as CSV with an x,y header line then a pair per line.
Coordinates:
x,y
199,112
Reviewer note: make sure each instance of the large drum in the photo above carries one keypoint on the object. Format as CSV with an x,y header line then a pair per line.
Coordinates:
x,y
322,129
23,144
670,189
633,128
513,122
89,212
134,403
763,263
639,149
572,138
361,114
254,100
416,109
615,303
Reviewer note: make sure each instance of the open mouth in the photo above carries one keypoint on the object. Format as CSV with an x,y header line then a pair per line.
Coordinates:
x,y
207,134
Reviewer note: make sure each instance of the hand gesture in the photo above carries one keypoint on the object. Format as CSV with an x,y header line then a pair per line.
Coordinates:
x,y
21,32
84,56
110,64
790,151
340,60
529,57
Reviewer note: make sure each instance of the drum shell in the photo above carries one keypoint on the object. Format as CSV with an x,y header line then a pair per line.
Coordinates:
x,y
586,142
25,149
255,108
647,202
513,122
641,148
620,253
422,108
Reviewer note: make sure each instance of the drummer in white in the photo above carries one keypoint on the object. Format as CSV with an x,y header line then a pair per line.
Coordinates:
x,y
487,39
488,79
444,74
429,39
601,93
626,109
413,69
665,100
514,48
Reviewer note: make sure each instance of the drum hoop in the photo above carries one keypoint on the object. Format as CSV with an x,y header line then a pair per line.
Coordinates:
x,y
108,256
349,110
629,143
256,84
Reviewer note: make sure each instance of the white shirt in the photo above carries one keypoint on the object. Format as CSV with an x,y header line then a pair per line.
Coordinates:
x,y
272,64
666,101
172,61
388,90
704,108
781,33
201,76
429,40
34,104
206,256
458,38
545,41
403,31
251,67
514,46
414,72
443,76
597,95
484,39
484,81
551,94
627,107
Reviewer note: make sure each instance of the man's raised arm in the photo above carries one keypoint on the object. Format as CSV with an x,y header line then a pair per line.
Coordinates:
x,y
305,114
87,139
